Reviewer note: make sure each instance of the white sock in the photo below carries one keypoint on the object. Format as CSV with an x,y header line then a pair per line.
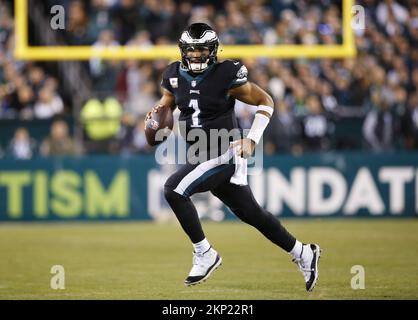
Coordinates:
x,y
297,250
202,246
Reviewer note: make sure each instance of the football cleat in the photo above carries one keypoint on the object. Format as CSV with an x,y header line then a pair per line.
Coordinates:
x,y
308,264
203,266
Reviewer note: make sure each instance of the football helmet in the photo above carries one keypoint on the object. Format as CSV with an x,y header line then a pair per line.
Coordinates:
x,y
199,36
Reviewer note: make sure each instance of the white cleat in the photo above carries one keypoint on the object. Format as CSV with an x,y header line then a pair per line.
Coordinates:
x,y
203,266
308,264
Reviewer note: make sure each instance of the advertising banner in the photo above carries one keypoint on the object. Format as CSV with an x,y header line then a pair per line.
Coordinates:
x,y
130,188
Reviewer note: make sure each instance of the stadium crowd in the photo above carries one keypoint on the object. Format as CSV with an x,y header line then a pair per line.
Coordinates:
x,y
380,84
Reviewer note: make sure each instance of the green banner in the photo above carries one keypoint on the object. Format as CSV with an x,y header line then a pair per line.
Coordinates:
x,y
125,188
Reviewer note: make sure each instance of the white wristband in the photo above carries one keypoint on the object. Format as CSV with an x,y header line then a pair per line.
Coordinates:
x,y
259,125
264,108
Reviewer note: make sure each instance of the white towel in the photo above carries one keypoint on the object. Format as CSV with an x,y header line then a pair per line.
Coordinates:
x,y
240,175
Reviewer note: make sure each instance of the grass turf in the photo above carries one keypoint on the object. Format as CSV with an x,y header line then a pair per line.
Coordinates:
x,y
150,261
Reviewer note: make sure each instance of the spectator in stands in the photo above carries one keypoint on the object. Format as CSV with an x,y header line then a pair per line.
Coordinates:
x,y
139,140
59,142
282,134
410,123
391,15
316,126
157,17
17,95
36,77
48,105
180,19
100,18
359,85
131,137
140,88
124,138
104,72
327,98
142,39
297,100
78,28
145,97
6,27
127,20
22,102
379,125
342,93
22,146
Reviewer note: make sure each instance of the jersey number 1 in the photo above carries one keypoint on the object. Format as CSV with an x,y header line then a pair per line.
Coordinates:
x,y
195,116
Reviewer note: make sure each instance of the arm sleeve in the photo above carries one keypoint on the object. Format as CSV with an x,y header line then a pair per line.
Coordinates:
x,y
368,130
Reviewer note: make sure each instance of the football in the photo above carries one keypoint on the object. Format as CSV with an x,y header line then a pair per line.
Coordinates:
x,y
161,119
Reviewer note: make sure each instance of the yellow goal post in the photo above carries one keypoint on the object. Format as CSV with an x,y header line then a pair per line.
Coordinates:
x,y
23,51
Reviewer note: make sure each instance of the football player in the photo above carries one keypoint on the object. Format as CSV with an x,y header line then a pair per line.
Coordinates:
x,y
205,91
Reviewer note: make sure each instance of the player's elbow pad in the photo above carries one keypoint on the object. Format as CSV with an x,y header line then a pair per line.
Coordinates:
x,y
259,124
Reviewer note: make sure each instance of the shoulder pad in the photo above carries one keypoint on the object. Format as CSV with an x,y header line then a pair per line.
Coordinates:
x,y
236,72
170,76
171,69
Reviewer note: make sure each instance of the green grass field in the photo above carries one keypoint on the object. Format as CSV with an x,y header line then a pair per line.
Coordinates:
x,y
150,261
